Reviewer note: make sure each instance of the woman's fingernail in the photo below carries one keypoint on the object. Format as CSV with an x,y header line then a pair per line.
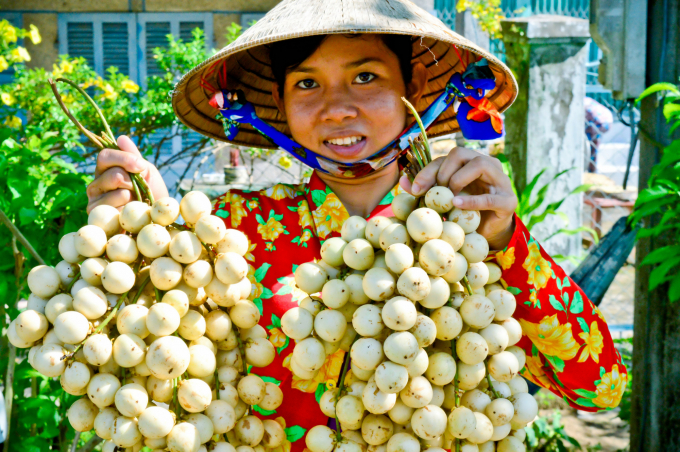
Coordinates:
x,y
415,189
139,165
457,201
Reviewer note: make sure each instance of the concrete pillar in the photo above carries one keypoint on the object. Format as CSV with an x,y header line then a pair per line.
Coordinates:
x,y
545,126
468,26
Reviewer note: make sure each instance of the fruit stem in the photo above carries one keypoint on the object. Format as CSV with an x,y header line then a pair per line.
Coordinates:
x,y
496,395
159,296
143,186
135,187
341,387
466,284
141,288
428,152
99,328
73,281
175,402
217,384
416,154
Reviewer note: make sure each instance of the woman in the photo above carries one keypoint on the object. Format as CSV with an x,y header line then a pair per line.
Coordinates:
x,y
338,93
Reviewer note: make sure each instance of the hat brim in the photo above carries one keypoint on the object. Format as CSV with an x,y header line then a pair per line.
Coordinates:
x,y
248,68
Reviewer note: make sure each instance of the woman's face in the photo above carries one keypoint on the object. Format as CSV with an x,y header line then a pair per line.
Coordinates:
x,y
344,101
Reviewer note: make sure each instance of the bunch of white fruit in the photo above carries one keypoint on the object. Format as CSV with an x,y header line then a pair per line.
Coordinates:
x,y
392,294
149,320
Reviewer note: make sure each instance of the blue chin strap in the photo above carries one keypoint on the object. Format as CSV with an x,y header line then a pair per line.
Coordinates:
x,y
476,116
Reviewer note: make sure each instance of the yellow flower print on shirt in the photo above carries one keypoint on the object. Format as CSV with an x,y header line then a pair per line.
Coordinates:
x,y
551,338
305,215
277,338
330,215
610,388
271,229
280,191
238,212
536,373
594,342
329,371
256,288
539,269
249,254
506,258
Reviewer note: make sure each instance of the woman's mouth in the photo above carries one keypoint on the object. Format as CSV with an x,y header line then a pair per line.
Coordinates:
x,y
349,146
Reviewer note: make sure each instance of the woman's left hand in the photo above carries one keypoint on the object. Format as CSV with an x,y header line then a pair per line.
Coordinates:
x,y
486,186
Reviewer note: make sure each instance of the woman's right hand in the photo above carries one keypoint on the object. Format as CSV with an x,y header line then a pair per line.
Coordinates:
x,y
112,184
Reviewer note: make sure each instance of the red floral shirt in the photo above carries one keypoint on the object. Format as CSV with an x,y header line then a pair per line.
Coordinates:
x,y
568,346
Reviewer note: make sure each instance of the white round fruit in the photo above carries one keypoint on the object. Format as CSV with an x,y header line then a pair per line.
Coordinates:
x,y
525,407
297,323
98,349
503,366
184,437
519,354
210,229
419,364
128,350
458,269
469,375
478,275
469,220
499,412
118,278
448,321
192,325
43,281
102,389
67,248
439,199
366,353
461,422
436,257
401,347
496,338
81,415
310,278
453,234
165,211
471,348
374,227
260,352
399,314
504,303
194,395
359,254
31,325
71,327
244,314
162,319
234,240
309,354
159,390
91,302
475,400
442,369
273,397
477,311
414,284
330,325
77,375
483,429
335,293
131,400
403,442
367,320
249,430
417,393
156,422
153,241
122,248
391,378
376,429
320,439
403,204
378,284
475,248
439,295
132,319
429,422
424,224
230,267
510,444
67,272
198,274
349,409
134,216
331,251
222,416
35,303
168,357
424,330
185,247
357,295
513,328
398,258
90,241
395,233
104,421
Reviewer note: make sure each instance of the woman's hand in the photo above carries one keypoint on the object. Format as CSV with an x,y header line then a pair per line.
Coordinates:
x,y
482,177
112,184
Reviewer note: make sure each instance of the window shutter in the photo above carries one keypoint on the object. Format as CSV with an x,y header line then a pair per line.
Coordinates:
x,y
185,29
115,43
80,40
156,33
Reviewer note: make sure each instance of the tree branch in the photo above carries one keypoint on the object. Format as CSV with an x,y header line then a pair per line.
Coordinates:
x,y
19,236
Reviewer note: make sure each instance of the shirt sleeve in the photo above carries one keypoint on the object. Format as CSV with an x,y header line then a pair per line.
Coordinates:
x,y
568,347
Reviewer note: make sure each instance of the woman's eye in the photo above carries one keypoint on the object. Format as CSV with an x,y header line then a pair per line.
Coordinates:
x,y
364,77
307,83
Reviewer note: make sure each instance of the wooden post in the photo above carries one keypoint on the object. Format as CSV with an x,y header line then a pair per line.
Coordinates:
x,y
656,343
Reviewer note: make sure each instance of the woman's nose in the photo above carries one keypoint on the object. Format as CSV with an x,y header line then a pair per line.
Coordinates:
x,y
339,105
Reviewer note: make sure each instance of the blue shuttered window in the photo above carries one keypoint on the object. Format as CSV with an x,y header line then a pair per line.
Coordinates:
x,y
80,36
115,43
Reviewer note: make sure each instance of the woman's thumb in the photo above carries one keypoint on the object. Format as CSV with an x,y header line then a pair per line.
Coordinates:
x,y
127,145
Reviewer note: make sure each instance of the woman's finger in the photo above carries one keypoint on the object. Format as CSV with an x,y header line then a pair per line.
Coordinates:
x,y
116,198
109,180
127,145
455,160
427,177
487,201
477,168
110,158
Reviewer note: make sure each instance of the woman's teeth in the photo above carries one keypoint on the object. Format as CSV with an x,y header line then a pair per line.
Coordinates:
x,y
347,141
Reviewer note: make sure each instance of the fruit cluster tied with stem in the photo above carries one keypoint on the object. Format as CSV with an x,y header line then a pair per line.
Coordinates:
x,y
429,330
151,323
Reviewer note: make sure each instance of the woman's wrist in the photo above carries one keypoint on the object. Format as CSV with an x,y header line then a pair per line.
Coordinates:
x,y
501,240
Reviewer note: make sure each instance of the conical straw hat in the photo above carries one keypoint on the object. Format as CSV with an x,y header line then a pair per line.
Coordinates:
x,y
248,66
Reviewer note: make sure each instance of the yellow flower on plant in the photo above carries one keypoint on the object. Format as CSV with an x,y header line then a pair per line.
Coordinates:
x,y
538,268
3,64
9,33
610,389
506,258
7,99
237,209
279,191
34,34
109,93
534,366
285,162
551,338
329,216
20,54
594,342
66,67
277,338
129,86
270,230
13,122
329,371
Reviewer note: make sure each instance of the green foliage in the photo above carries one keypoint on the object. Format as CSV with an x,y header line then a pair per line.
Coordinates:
x,y
532,208
547,434
487,12
661,200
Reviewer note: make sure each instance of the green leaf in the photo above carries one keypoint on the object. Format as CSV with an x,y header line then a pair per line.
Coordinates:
x,y
266,293
222,214
293,208
584,325
584,402
674,290
270,380
525,198
566,282
294,433
259,219
318,197
555,303
514,290
276,321
576,306
660,274
283,347
555,362
670,109
261,272
585,393
602,371
262,411
320,389
258,303
531,436
655,88
661,254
